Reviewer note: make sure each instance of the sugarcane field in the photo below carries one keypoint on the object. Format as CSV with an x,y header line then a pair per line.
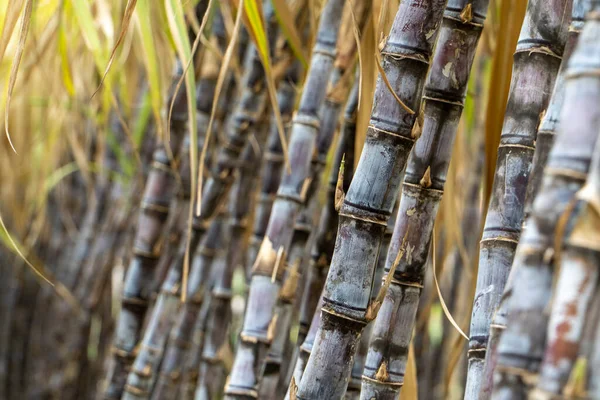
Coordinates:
x,y
300,200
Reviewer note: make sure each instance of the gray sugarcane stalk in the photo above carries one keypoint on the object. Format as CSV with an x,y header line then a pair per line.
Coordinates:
x,y
272,165
337,92
183,331
211,375
422,190
370,199
181,335
144,372
159,190
544,141
284,314
576,286
147,247
268,268
242,123
592,350
142,375
521,345
536,63
355,382
210,368
322,249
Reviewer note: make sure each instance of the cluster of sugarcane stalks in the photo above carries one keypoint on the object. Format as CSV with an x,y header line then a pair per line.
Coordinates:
x,y
331,238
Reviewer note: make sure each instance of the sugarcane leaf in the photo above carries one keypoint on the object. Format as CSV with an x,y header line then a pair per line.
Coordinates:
x,y
144,24
253,17
441,298
64,61
577,383
143,117
368,81
58,175
218,87
178,29
288,27
197,41
14,69
40,272
356,34
129,8
90,35
13,11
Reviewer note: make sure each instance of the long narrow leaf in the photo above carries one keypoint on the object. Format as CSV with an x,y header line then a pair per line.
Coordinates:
x,y
129,8
144,24
288,26
14,70
254,18
13,11
182,44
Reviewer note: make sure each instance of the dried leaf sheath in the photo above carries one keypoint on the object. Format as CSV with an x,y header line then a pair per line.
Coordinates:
x,y
269,266
544,141
443,101
521,345
370,198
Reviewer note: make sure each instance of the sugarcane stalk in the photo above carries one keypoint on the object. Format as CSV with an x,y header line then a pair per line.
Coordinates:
x,y
565,172
283,314
322,249
181,334
360,358
577,284
370,199
147,247
337,92
192,362
242,123
210,383
272,164
592,351
268,268
545,138
155,205
422,190
536,62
